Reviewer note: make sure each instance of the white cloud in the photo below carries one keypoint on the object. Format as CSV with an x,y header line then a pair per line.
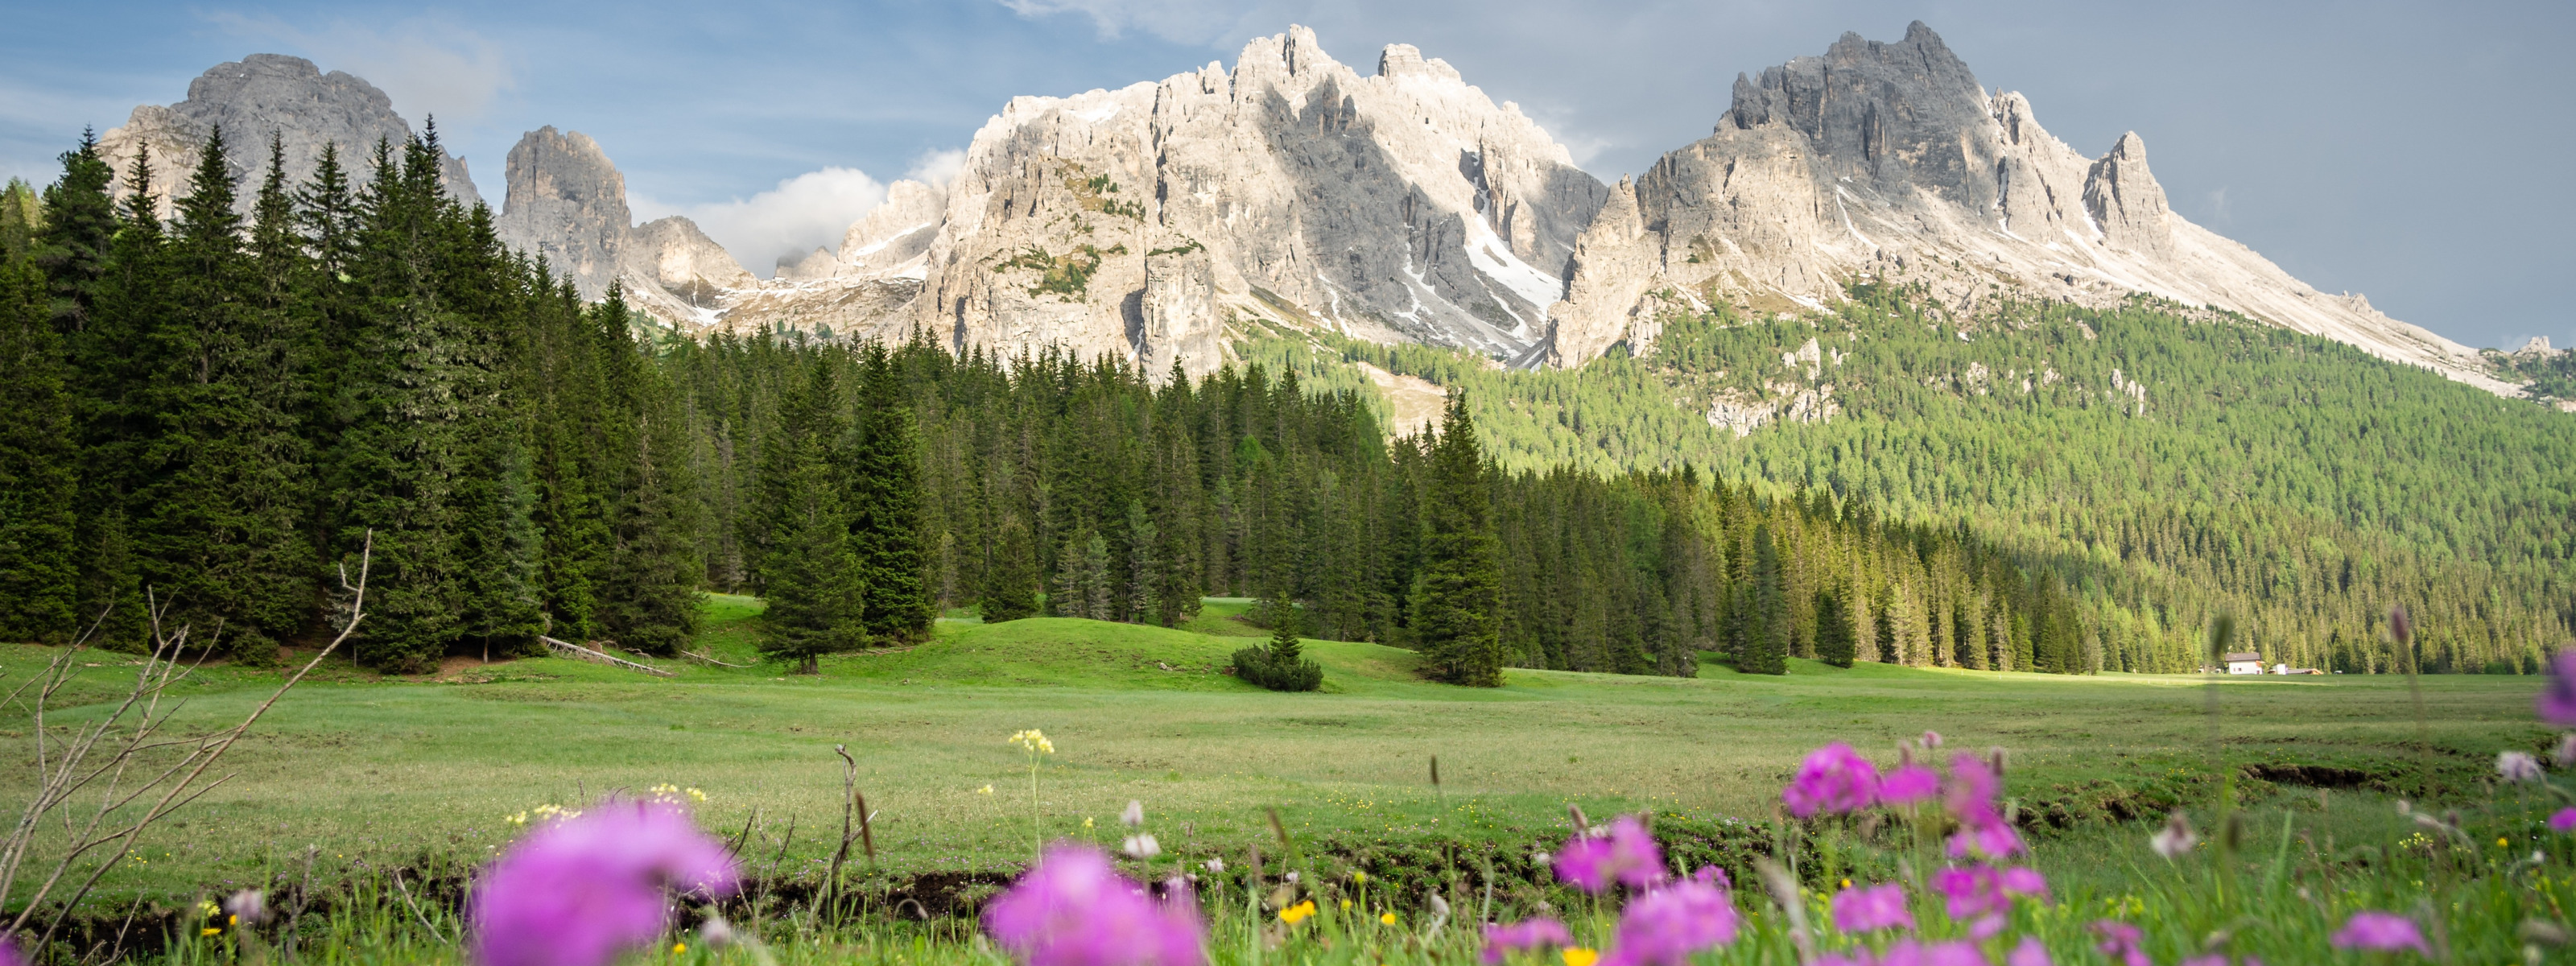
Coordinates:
x,y
809,211
428,67
937,167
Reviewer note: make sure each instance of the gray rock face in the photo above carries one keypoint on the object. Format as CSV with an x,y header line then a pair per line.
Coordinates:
x,y
266,95
567,205
1888,161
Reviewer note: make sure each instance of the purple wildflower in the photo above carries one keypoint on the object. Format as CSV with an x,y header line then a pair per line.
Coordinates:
x,y
577,892
2379,932
1715,877
1989,839
9,955
2220,959
2517,766
2120,941
1957,952
2558,700
1870,908
1833,779
1074,909
2030,953
1981,889
1501,941
1625,854
1665,926
2564,821
1971,792
1909,784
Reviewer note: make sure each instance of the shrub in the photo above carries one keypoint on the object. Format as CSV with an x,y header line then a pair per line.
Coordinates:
x,y
1259,666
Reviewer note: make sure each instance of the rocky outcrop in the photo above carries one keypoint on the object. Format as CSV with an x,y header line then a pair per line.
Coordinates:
x,y
1889,161
259,97
567,205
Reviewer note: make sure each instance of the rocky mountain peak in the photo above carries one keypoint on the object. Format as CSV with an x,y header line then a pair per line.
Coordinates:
x,y
2127,205
266,95
567,204
1405,60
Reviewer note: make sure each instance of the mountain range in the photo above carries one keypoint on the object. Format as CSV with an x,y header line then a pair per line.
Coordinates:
x,y
1164,221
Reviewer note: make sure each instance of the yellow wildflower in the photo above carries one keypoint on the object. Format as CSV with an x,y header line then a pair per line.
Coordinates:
x,y
986,790
1086,821
209,908
1579,956
1346,903
1386,917
1297,913
1360,877
1033,741
210,930
679,948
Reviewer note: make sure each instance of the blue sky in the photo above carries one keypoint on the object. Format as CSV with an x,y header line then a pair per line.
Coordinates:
x,y
2412,151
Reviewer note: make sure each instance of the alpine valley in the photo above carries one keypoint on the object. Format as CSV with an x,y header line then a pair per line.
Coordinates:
x,y
1971,395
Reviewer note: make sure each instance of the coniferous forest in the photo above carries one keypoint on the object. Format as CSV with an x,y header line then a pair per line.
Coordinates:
x,y
207,418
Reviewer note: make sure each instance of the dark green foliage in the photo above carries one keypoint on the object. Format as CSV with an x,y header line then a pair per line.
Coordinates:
x,y
1010,586
38,484
885,506
1456,595
807,568
1282,666
1836,644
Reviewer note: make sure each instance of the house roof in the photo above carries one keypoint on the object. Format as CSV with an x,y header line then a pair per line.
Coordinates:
x,y
2242,656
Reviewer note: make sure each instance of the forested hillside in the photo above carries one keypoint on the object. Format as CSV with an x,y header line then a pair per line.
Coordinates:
x,y
2163,463
211,418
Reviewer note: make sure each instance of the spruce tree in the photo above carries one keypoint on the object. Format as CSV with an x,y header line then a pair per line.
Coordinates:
x,y
809,575
886,508
1767,623
1010,578
38,484
647,593
1836,642
1457,592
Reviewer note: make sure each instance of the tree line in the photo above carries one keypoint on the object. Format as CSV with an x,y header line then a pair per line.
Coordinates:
x,y
206,417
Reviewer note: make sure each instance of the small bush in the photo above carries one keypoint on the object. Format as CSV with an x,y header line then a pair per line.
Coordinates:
x,y
1257,665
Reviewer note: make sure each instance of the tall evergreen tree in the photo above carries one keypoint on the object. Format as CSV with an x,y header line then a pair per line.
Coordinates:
x,y
1766,638
648,581
1010,578
809,575
885,506
38,485
1836,641
1456,595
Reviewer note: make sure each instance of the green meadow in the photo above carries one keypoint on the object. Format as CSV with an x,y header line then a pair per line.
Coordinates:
x,y
391,772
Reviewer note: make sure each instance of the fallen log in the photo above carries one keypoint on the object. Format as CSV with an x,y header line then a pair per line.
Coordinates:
x,y
570,649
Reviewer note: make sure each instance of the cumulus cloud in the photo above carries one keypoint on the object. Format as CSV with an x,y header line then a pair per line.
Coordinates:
x,y
937,167
809,211
429,68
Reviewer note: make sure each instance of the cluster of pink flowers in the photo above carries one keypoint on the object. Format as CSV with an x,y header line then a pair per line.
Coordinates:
x,y
581,890
1074,909
1665,922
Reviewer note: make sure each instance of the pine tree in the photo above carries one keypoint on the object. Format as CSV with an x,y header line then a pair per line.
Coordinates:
x,y
38,486
1144,574
809,575
647,594
1010,579
1767,621
1836,642
886,507
1456,595
1070,596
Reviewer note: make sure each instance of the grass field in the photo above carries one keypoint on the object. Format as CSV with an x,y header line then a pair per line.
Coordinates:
x,y
391,771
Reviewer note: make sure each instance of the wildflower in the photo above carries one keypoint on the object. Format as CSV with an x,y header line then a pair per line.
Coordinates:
x,y
1993,840
1386,917
578,891
208,931
1932,741
2380,932
1578,956
208,909
2219,959
2564,821
716,933
1502,941
2565,756
1214,866
986,790
2120,940
1908,952
2558,700
1359,877
1134,816
1141,847
1833,779
1297,913
2030,953
1666,926
1907,785
9,955
1624,854
248,905
1086,821
679,948
2517,766
1033,741
1871,908
1073,909
1983,890
2176,839
1970,794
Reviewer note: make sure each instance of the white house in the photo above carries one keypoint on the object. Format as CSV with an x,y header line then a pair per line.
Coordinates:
x,y
2244,662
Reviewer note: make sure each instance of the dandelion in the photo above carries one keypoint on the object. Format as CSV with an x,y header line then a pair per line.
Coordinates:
x,y
1501,941
1074,909
1667,926
2517,766
1578,956
2558,700
1871,908
1623,853
2380,932
1386,917
1297,913
679,949
2176,839
1833,779
579,891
